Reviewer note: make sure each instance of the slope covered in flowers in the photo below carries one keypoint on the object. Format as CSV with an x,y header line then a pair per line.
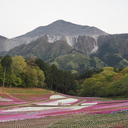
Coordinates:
x,y
54,105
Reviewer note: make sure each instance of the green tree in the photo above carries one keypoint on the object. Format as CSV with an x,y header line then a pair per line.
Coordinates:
x,y
18,64
119,87
1,74
40,78
29,76
13,81
87,87
47,72
6,63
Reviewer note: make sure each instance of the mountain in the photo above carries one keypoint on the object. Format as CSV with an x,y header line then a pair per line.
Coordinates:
x,y
86,52
2,43
113,50
63,28
78,61
55,31
70,46
41,48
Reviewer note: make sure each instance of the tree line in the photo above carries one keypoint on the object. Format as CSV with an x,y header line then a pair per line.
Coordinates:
x,y
108,82
34,72
19,72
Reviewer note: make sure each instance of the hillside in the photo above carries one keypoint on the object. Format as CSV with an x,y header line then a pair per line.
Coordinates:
x,y
113,50
86,52
57,40
55,31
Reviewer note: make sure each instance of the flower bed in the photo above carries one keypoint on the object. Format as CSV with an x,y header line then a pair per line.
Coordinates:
x,y
9,100
32,97
60,106
67,101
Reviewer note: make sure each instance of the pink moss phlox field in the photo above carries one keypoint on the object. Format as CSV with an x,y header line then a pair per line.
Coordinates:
x,y
74,102
9,116
120,126
31,115
4,95
90,106
15,99
83,98
37,98
109,102
32,97
5,103
108,111
53,111
106,106
45,102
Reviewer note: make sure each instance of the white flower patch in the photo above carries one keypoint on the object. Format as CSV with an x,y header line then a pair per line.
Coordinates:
x,y
24,109
4,99
76,107
64,101
88,104
56,97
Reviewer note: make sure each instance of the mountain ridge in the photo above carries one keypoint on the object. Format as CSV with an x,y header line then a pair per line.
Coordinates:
x,y
55,31
64,28
70,46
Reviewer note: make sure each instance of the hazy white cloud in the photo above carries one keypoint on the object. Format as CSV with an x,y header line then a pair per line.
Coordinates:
x,y
21,16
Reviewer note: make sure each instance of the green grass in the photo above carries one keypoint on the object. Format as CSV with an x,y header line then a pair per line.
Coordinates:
x,y
26,91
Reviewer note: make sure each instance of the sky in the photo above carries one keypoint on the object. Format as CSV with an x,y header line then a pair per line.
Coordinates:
x,y
18,17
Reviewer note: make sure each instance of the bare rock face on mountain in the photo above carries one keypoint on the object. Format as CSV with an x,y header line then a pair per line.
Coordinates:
x,y
58,30
41,48
86,44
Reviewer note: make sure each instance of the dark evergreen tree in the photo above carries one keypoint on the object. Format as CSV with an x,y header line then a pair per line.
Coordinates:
x,y
6,63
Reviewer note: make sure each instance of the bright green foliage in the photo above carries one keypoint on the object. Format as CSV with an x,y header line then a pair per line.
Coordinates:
x,y
18,64
97,83
40,77
12,80
124,71
87,87
108,71
30,76
119,87
108,82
